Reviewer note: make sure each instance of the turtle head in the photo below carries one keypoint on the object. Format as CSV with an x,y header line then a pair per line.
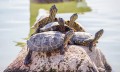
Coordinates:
x,y
53,10
73,17
61,21
98,35
95,40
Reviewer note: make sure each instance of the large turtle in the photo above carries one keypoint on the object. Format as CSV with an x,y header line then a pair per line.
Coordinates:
x,y
45,20
47,41
71,23
55,26
86,39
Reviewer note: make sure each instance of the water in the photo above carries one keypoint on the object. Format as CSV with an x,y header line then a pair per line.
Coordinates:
x,y
14,25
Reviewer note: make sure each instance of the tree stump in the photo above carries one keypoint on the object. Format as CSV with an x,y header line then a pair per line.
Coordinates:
x,y
75,59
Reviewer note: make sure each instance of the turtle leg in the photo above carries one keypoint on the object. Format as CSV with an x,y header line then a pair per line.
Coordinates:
x,y
89,43
90,46
28,58
67,38
62,50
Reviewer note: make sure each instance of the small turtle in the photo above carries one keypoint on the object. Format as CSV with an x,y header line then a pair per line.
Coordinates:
x,y
73,24
45,20
55,26
47,41
86,39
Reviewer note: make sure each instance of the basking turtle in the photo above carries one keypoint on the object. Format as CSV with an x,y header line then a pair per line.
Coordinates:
x,y
47,41
55,26
73,24
86,39
45,20
80,38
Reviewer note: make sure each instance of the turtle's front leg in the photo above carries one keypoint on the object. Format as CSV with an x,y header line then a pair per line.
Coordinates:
x,y
67,38
28,58
90,46
62,50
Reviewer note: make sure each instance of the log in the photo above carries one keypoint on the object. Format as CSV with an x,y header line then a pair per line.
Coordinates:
x,y
75,59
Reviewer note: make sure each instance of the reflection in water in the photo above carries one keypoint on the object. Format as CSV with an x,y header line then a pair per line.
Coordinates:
x,y
14,25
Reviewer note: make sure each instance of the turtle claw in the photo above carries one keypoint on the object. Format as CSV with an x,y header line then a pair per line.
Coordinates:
x,y
90,46
90,49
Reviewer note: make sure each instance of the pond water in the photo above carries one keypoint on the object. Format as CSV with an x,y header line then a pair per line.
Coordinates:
x,y
14,25
14,18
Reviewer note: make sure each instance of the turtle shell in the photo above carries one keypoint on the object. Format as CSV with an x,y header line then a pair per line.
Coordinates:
x,y
82,36
42,21
45,41
76,26
49,25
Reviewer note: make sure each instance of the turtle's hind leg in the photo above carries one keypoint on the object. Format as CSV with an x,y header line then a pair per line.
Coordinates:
x,y
28,58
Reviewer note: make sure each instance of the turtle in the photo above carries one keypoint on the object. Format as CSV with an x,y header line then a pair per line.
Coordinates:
x,y
80,38
55,26
71,23
86,39
46,42
47,19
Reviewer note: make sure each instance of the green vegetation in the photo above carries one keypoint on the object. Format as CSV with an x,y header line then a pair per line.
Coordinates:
x,y
20,44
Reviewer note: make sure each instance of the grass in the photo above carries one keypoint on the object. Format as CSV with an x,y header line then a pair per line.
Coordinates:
x,y
20,44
